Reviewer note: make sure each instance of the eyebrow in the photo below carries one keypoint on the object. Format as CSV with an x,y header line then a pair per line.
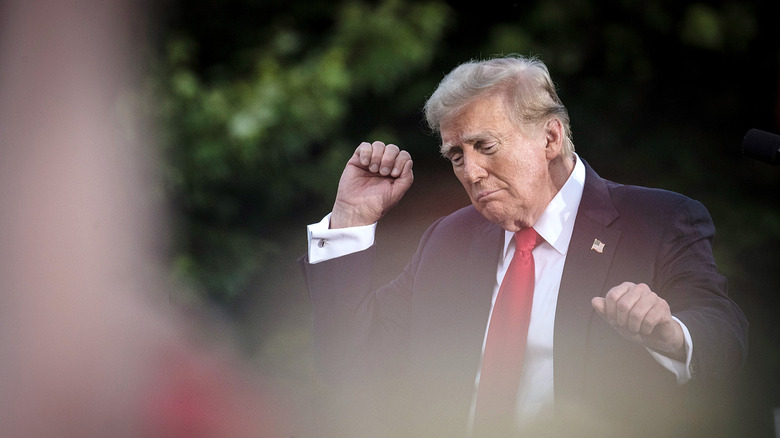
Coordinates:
x,y
471,139
445,148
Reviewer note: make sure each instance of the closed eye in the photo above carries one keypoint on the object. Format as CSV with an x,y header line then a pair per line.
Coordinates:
x,y
455,156
486,147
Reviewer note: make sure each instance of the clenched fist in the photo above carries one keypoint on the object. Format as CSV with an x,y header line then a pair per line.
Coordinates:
x,y
640,315
376,177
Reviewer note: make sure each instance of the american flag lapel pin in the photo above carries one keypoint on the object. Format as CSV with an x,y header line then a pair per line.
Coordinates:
x,y
597,246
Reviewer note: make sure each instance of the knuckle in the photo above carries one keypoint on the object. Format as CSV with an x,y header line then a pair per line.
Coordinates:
x,y
650,323
623,306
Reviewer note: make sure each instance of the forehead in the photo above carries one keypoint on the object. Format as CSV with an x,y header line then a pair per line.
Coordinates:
x,y
480,119
478,113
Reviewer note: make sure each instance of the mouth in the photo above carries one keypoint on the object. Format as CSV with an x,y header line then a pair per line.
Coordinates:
x,y
484,195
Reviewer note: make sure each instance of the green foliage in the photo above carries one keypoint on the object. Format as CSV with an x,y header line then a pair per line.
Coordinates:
x,y
731,27
247,147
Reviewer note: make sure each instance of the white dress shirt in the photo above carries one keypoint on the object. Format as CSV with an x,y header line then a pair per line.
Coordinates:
x,y
535,397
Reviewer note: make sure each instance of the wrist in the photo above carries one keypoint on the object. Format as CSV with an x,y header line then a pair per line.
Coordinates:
x,y
342,217
674,348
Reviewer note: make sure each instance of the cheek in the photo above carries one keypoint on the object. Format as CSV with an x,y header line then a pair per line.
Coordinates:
x,y
525,178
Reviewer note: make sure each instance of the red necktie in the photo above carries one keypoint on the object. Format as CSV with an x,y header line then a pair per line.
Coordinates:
x,y
507,333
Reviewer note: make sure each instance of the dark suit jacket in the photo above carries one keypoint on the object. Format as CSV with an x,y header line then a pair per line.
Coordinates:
x,y
420,336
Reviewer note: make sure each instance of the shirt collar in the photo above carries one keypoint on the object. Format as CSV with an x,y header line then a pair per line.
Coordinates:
x,y
556,223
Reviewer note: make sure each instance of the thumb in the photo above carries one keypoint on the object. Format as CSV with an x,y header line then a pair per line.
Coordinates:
x,y
406,172
404,181
599,305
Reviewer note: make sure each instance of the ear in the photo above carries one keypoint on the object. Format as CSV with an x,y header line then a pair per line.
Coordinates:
x,y
553,130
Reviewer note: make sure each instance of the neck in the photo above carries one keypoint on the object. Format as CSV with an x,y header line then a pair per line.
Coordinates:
x,y
560,170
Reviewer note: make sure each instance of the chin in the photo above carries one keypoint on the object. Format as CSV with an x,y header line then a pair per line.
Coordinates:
x,y
499,219
509,224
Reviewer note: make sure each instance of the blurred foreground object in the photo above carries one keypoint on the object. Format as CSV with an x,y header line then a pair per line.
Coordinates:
x,y
87,346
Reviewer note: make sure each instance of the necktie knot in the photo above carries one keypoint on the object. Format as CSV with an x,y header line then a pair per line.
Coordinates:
x,y
527,239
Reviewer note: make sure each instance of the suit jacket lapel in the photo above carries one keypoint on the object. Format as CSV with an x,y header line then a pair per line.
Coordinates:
x,y
481,276
449,342
584,275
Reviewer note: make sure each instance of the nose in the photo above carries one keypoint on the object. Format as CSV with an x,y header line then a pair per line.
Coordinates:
x,y
473,168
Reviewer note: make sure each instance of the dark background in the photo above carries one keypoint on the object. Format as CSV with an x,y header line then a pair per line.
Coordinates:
x,y
258,104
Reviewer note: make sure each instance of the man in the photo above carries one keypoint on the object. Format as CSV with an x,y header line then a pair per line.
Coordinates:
x,y
626,307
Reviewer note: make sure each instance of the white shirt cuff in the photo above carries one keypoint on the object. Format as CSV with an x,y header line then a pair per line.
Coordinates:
x,y
326,244
682,370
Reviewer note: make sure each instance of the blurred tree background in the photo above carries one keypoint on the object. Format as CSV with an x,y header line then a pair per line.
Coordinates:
x,y
258,104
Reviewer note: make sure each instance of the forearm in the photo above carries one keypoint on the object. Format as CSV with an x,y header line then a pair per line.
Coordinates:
x,y
342,301
697,294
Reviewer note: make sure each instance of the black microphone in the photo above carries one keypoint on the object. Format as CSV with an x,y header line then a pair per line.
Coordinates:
x,y
762,146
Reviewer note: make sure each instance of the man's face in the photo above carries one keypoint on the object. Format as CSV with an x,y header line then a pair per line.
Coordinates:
x,y
505,171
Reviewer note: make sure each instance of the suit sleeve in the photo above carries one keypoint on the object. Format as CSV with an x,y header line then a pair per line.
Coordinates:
x,y
359,333
697,293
